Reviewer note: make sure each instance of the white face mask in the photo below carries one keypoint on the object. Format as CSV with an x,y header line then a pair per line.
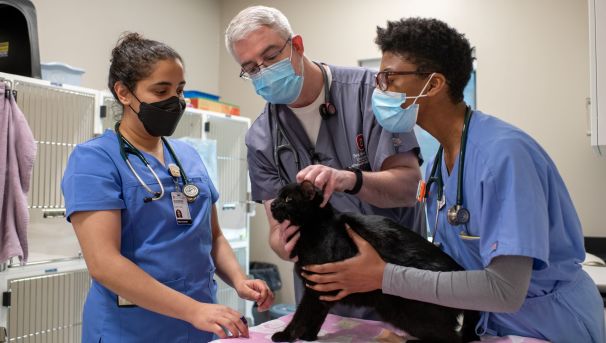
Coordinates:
x,y
387,107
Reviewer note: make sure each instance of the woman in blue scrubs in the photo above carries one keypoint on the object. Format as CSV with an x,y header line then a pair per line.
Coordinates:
x,y
152,270
513,227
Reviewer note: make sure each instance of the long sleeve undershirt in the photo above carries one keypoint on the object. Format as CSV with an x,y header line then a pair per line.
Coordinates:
x,y
501,287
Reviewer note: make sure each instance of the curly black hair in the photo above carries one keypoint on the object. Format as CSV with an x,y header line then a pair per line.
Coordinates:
x,y
433,46
133,59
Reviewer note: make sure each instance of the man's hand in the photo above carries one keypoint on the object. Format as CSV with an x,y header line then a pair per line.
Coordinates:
x,y
328,179
283,239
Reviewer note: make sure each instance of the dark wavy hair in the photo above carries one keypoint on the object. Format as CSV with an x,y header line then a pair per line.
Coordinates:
x,y
433,46
133,58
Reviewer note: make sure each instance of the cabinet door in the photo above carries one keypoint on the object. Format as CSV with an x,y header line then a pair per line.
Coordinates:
x,y
59,118
232,169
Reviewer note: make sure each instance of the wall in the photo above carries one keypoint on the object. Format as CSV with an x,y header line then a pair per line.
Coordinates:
x,y
532,68
83,33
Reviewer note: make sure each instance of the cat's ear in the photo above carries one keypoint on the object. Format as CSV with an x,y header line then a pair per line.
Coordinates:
x,y
309,190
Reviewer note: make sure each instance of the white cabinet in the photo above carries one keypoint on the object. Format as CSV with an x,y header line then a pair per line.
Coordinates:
x,y
597,74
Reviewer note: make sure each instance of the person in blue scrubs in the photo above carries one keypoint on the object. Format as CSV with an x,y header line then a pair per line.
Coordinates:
x,y
152,270
522,245
318,126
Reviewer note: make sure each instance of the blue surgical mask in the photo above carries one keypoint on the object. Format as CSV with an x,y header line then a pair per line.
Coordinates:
x,y
278,83
387,107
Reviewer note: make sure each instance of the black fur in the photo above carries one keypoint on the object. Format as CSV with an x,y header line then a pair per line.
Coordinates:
x,y
324,239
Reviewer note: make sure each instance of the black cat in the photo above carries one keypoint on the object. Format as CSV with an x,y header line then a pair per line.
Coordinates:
x,y
324,239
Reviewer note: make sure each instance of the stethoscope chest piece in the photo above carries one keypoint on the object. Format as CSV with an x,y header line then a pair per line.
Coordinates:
x,y
458,215
191,192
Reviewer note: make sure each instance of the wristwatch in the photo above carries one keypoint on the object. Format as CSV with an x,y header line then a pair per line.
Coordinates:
x,y
359,179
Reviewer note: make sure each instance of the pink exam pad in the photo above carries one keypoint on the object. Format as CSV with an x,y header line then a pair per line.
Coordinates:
x,y
338,329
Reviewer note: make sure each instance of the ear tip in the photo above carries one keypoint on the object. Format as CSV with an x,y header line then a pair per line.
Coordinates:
x,y
306,184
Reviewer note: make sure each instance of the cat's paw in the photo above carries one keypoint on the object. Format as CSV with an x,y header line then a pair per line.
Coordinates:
x,y
283,336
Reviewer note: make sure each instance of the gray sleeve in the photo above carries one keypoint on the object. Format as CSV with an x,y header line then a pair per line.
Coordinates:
x,y
501,287
264,179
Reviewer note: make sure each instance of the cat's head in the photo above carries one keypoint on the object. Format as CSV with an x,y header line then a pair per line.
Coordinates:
x,y
297,202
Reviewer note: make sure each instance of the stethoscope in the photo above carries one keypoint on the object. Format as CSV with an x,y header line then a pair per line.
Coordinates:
x,y
457,214
190,190
282,142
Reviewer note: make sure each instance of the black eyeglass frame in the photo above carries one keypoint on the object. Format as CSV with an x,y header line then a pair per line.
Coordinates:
x,y
248,74
382,82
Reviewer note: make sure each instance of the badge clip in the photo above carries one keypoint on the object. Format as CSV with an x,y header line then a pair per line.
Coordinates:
x,y
421,190
174,170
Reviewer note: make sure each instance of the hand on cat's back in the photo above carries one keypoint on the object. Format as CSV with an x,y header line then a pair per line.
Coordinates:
x,y
361,273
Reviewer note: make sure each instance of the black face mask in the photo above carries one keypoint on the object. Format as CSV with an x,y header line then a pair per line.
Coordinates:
x,y
161,118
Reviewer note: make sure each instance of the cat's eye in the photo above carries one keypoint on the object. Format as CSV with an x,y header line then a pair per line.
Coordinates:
x,y
288,199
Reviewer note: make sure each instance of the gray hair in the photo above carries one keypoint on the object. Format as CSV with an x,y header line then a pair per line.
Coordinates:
x,y
251,19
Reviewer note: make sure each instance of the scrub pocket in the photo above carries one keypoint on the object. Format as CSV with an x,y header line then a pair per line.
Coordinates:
x,y
203,184
471,249
140,325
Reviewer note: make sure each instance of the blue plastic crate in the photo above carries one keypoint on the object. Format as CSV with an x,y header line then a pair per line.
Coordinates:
x,y
61,73
198,94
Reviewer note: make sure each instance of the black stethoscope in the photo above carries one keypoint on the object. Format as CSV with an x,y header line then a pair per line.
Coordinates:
x,y
190,190
457,214
282,142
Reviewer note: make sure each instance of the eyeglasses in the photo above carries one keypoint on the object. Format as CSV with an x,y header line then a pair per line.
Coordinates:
x,y
249,70
382,77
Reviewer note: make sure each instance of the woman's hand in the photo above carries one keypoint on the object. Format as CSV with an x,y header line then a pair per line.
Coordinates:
x,y
361,273
257,291
215,318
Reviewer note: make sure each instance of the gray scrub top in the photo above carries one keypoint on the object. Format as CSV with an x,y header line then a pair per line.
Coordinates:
x,y
350,138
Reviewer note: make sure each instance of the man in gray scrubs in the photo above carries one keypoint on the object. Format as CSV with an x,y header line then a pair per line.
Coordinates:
x,y
318,125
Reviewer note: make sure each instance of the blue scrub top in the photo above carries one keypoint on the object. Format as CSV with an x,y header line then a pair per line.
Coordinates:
x,y
97,178
519,206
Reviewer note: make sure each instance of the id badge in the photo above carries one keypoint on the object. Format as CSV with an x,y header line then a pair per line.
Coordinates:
x,y
181,208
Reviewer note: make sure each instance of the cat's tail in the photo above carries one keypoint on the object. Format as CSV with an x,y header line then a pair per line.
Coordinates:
x,y
468,330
